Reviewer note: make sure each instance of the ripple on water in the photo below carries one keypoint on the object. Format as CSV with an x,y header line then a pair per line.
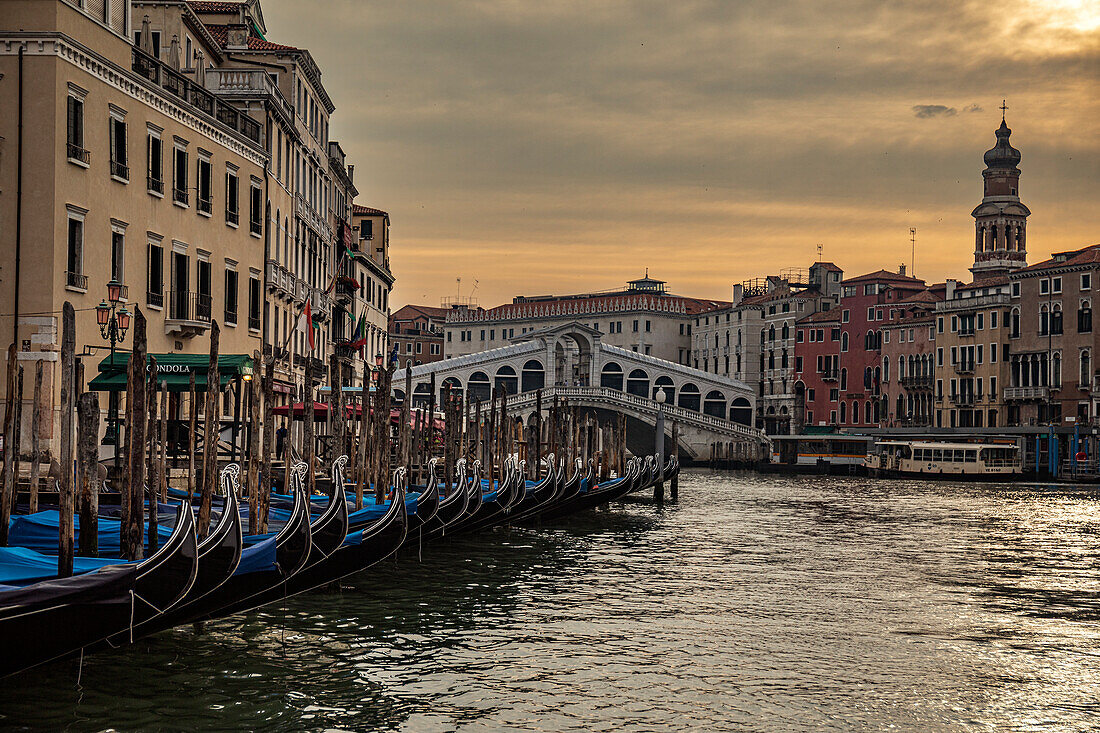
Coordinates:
x,y
791,603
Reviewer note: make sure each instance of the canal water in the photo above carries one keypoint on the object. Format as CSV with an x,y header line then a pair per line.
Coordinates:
x,y
756,603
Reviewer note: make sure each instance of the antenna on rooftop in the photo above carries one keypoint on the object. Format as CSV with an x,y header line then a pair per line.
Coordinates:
x,y
913,244
820,246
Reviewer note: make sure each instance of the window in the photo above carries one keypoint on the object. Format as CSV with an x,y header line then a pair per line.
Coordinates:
x,y
981,321
1084,317
1015,290
1056,285
230,297
993,319
1044,287
366,229
635,327
418,347
256,211
232,198
204,197
1086,281
118,252
119,168
203,304
179,176
154,289
156,41
939,355
74,138
844,341
845,315
253,302
993,353
649,328
154,164
74,262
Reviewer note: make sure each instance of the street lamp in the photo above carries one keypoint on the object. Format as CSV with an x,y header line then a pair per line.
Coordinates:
x,y
113,324
659,487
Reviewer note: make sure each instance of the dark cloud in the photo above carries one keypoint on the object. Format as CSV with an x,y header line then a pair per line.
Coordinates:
x,y
511,139
924,111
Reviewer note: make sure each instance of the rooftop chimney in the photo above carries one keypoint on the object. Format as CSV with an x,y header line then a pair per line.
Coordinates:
x,y
901,269
236,37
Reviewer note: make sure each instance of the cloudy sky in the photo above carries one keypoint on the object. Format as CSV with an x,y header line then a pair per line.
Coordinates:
x,y
541,146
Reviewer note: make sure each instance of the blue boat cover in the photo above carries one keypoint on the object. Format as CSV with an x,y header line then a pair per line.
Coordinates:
x,y
39,532
257,558
355,538
20,566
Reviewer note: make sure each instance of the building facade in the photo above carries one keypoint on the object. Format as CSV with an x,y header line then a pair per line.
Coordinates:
x,y
908,360
642,317
127,165
416,332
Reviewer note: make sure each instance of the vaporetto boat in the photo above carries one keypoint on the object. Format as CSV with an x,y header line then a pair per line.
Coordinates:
x,y
947,459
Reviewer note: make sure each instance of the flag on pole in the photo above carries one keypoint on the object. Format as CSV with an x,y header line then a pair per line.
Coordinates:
x,y
360,335
308,324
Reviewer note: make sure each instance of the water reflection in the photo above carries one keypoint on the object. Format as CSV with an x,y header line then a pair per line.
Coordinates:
x,y
792,603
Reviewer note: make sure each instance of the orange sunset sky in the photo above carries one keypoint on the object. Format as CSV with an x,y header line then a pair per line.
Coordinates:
x,y
550,147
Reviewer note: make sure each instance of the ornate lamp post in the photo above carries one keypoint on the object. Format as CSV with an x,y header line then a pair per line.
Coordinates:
x,y
659,487
113,323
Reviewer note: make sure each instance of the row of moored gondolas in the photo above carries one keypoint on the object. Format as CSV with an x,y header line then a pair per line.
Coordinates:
x,y
313,541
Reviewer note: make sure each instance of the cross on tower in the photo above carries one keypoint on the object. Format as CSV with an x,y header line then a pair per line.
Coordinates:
x,y
1004,106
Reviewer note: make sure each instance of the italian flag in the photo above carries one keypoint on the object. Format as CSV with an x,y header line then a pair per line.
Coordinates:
x,y
309,326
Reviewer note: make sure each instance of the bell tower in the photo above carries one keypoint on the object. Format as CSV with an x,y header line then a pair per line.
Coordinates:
x,y
1000,220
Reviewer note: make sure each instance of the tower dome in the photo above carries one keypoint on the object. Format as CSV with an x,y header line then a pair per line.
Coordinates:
x,y
1002,156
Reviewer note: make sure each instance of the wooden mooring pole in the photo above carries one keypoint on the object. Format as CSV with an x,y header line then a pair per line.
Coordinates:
x,y
210,434
65,497
87,437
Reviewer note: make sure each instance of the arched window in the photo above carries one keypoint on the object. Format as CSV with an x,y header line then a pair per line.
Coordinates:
x,y
783,360
741,411
1056,372
844,341
844,379
689,397
1044,320
506,380
533,376
479,387
665,383
1014,329
886,368
422,394
1084,317
866,379
786,331
638,383
771,333
867,412
843,412
1086,369
1056,319
715,404
398,397
771,360
455,389
612,376
855,412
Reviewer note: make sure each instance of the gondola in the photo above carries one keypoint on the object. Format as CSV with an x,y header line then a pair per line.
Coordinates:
x,y
219,557
59,617
495,510
265,564
544,495
453,507
326,533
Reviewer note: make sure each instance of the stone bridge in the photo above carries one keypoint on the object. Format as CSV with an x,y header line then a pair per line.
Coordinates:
x,y
570,361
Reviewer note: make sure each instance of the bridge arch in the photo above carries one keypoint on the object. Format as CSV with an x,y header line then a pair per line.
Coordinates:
x,y
741,411
715,404
422,394
689,396
611,376
506,379
573,357
637,383
479,387
533,376
456,388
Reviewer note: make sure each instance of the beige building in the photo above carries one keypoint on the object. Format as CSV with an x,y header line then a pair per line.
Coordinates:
x,y
116,165
642,317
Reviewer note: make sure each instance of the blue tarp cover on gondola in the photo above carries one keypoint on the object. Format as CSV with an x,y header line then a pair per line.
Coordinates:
x,y
20,566
39,532
257,558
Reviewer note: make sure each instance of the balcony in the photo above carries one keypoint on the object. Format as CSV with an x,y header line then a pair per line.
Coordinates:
x,y
301,290
78,154
205,206
120,170
965,398
188,313
198,98
232,217
254,323
180,196
305,212
230,317
248,84
1023,394
76,280
964,367
255,227
155,185
830,376
153,299
916,382
346,287
966,332
320,304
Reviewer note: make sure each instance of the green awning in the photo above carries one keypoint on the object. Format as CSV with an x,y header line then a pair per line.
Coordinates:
x,y
174,370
